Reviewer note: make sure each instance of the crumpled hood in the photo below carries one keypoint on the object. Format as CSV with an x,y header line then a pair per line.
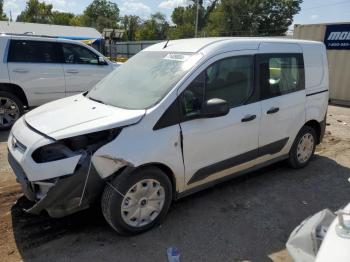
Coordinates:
x,y
77,115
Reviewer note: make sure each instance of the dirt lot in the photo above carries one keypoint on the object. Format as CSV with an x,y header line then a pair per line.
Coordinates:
x,y
248,218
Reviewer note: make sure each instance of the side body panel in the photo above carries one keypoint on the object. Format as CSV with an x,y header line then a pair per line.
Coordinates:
x,y
317,81
139,145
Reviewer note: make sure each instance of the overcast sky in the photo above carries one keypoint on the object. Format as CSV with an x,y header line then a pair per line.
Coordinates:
x,y
312,11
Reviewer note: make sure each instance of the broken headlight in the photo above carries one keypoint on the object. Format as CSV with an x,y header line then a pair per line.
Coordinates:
x,y
73,146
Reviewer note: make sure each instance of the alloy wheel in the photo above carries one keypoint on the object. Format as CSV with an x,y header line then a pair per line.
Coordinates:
x,y
9,112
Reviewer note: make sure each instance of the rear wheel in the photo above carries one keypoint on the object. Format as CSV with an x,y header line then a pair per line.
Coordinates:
x,y
133,203
11,108
303,147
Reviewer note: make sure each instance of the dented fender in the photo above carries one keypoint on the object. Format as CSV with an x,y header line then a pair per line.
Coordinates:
x,y
107,165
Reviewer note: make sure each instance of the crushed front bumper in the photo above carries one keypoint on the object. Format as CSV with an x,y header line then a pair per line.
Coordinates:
x,y
68,194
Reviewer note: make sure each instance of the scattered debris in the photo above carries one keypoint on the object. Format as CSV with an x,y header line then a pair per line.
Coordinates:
x,y
328,124
339,120
173,254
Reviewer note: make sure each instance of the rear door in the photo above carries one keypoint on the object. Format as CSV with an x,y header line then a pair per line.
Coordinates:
x,y
280,70
35,66
82,68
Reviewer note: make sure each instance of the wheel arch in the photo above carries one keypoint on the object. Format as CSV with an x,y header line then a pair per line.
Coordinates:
x,y
167,170
315,125
15,90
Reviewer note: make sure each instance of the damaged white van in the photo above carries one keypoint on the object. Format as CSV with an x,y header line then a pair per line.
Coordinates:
x,y
176,118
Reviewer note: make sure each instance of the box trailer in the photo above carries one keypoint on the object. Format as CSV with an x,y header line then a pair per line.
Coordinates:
x,y
336,37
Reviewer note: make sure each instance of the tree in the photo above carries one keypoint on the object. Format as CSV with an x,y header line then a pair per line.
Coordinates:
x,y
77,20
131,24
61,18
36,12
185,18
252,17
101,14
3,16
155,28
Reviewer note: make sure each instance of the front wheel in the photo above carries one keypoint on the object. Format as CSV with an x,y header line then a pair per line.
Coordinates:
x,y
11,108
303,147
135,202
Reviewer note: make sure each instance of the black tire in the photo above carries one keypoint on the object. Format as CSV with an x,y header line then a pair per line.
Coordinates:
x,y
18,103
293,155
111,200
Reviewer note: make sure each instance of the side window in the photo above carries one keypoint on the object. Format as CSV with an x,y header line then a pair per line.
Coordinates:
x,y
230,79
76,54
192,97
280,74
24,51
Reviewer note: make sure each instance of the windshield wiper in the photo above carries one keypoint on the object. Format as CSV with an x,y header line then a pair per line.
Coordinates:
x,y
96,100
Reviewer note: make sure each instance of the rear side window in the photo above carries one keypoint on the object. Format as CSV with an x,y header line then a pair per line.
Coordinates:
x,y
76,54
25,51
280,74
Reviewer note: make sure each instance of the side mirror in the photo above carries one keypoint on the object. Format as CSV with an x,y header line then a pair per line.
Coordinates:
x,y
101,60
215,107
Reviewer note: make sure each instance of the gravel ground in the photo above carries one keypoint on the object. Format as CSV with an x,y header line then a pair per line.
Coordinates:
x,y
249,218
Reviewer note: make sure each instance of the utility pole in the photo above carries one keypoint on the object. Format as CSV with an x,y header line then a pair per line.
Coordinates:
x,y
196,29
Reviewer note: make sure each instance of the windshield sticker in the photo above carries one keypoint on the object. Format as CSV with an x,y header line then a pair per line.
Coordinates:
x,y
176,57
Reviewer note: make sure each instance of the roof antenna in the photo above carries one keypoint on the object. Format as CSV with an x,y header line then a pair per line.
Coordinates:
x,y
166,44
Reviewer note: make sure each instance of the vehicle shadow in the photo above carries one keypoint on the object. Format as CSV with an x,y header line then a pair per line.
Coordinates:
x,y
247,218
4,136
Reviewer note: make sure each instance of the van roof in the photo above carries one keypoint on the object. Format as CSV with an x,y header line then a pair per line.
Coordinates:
x,y
194,45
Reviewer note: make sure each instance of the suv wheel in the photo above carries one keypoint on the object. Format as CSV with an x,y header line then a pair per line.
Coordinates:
x,y
303,147
135,202
11,108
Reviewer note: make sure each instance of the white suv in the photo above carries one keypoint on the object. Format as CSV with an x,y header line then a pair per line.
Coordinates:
x,y
174,119
36,70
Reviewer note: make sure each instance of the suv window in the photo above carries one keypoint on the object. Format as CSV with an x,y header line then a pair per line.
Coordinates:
x,y
27,51
76,54
230,79
280,74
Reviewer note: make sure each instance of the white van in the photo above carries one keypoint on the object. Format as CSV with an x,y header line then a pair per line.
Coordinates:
x,y
176,118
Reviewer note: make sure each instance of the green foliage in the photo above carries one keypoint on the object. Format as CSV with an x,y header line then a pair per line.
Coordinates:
x,y
252,17
215,18
36,12
155,28
60,18
235,17
3,16
101,14
131,24
185,18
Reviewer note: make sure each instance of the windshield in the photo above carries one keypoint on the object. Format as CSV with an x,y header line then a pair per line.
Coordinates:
x,y
144,79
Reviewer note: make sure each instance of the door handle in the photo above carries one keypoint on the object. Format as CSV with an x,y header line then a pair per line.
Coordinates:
x,y
248,118
72,71
21,70
273,110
